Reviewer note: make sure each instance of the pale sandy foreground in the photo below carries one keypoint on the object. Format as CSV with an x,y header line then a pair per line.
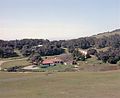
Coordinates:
x,y
60,85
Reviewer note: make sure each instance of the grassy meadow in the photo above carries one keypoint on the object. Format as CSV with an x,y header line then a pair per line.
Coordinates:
x,y
15,62
57,68
60,85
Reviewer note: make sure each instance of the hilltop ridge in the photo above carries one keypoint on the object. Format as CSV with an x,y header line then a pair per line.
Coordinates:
x,y
106,34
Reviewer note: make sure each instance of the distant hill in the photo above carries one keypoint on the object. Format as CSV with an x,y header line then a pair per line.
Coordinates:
x,y
117,31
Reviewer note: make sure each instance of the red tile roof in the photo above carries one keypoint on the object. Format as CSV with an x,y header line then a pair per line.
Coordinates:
x,y
47,62
51,61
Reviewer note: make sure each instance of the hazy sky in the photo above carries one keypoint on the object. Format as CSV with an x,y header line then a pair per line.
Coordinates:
x,y
57,19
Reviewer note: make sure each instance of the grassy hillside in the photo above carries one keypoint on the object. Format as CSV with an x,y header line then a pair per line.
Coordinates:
x,y
60,85
117,31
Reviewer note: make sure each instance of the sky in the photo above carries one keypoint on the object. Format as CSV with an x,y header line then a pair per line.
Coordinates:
x,y
57,19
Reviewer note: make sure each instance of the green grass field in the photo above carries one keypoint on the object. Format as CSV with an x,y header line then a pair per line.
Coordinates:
x,y
57,68
60,85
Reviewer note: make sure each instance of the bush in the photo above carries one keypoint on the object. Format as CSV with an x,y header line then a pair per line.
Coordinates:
x,y
13,69
112,60
92,51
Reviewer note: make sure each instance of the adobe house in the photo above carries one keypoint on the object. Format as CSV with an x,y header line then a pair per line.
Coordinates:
x,y
51,62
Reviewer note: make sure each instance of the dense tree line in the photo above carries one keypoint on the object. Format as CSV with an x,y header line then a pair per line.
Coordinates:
x,y
25,45
83,43
112,55
49,50
6,52
45,50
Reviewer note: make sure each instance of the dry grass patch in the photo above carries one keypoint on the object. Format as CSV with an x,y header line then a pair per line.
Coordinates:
x,y
20,62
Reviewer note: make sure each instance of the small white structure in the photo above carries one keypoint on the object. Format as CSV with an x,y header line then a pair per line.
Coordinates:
x,y
85,53
34,47
39,45
76,66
